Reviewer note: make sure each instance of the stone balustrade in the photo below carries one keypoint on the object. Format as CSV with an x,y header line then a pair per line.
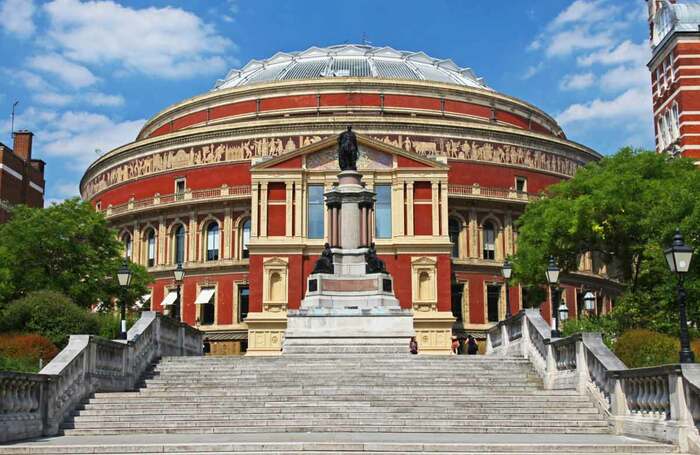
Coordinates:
x,y
477,191
185,197
661,403
34,405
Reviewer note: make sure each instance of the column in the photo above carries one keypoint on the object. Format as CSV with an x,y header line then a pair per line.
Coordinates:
x,y
254,215
363,225
263,210
508,231
297,208
436,207
192,250
445,209
136,245
409,208
473,235
161,240
288,209
397,204
228,233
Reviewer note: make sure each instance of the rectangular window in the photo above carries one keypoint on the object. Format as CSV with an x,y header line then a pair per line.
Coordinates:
x,y
493,298
315,212
243,295
383,211
151,249
206,300
520,184
180,189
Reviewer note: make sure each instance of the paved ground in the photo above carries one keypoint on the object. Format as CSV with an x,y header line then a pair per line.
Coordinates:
x,y
433,438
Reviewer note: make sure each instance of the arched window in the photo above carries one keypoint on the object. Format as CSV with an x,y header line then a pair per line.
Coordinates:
x,y
151,248
126,240
245,239
180,244
489,239
675,121
454,229
213,241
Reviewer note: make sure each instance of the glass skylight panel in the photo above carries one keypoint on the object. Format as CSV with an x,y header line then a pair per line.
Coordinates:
x,y
306,69
390,70
353,67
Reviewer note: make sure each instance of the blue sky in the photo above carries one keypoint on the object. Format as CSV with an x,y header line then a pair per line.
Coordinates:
x,y
88,74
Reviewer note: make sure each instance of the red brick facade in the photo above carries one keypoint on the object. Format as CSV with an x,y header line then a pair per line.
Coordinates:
x,y
21,177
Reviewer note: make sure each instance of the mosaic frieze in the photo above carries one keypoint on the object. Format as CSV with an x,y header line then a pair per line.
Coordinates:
x,y
270,147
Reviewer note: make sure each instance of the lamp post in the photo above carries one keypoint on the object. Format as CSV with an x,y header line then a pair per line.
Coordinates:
x,y
178,274
589,302
507,271
678,256
552,273
124,278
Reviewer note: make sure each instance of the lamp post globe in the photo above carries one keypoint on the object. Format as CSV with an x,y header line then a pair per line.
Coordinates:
x,y
589,302
124,279
507,271
552,273
178,275
678,257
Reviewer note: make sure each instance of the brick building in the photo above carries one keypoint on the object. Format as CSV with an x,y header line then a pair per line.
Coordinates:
x,y
675,75
230,184
21,177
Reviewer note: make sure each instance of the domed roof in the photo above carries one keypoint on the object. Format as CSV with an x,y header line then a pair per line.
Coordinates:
x,y
350,60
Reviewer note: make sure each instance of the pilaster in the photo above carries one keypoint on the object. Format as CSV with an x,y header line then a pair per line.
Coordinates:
x,y
409,208
445,207
508,224
192,239
263,210
473,235
397,209
255,216
161,240
436,207
228,233
288,209
136,245
298,204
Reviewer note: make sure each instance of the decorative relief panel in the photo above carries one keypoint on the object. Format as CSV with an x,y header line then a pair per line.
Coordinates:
x,y
424,283
275,284
270,147
366,159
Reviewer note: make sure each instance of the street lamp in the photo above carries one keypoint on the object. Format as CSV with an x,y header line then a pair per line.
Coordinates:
x,y
563,312
678,257
179,275
589,302
552,273
507,271
124,278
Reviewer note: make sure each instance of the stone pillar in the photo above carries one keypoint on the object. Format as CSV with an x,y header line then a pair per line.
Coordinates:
x,y
288,209
254,215
228,233
363,226
444,201
298,205
436,207
409,208
397,208
192,250
161,240
473,235
508,230
136,245
263,210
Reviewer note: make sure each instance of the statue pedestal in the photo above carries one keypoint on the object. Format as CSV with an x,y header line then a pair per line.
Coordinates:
x,y
349,311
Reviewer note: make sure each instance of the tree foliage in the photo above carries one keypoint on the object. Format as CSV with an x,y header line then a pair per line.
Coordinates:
x,y
624,209
67,248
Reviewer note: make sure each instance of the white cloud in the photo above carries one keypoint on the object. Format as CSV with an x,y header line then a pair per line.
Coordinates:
x,y
16,17
52,98
625,52
582,11
166,42
624,77
65,189
576,39
577,81
632,105
104,99
532,70
77,76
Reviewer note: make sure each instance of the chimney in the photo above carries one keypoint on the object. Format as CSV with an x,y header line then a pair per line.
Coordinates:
x,y
22,145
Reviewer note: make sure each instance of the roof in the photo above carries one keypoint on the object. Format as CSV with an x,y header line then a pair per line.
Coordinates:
x,y
350,60
677,17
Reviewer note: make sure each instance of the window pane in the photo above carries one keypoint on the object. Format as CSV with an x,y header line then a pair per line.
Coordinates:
x,y
243,294
382,212
213,242
246,238
493,295
454,229
151,248
315,210
180,245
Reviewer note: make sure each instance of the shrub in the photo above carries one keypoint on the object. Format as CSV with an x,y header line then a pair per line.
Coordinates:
x,y
110,325
19,365
50,314
645,348
606,325
30,345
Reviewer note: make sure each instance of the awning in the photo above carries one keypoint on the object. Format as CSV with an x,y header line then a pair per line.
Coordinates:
x,y
225,336
169,299
204,296
142,300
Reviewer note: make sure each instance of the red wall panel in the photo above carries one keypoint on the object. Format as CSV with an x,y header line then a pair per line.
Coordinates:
x,y
228,110
423,219
276,191
189,119
276,220
465,173
403,162
287,102
414,102
422,191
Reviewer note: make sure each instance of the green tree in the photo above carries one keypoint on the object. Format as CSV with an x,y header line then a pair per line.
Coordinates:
x,y
624,209
68,248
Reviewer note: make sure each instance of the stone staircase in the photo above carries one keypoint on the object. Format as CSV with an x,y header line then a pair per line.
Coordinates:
x,y
457,394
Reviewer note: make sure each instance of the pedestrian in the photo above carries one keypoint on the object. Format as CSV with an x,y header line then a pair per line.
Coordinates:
x,y
414,345
472,346
455,345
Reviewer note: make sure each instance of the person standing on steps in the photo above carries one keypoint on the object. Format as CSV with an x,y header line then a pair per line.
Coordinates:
x,y
455,345
472,346
413,345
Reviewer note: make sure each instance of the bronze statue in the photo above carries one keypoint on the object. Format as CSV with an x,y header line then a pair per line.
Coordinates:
x,y
374,264
347,150
324,264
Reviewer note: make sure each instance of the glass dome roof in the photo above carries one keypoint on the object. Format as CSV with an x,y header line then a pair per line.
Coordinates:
x,y
350,60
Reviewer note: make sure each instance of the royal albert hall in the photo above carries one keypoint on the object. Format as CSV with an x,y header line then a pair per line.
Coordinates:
x,y
230,184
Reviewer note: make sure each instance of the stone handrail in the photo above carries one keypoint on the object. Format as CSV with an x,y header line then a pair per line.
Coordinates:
x,y
479,191
159,200
661,403
34,405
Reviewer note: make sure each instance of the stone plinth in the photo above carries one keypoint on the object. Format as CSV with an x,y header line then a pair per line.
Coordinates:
x,y
349,310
